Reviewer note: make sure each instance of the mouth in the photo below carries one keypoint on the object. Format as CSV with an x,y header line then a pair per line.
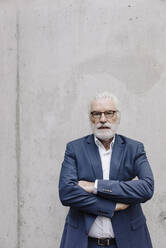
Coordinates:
x,y
103,128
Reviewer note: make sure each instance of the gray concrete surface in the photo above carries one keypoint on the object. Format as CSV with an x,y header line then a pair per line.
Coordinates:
x,y
54,56
8,130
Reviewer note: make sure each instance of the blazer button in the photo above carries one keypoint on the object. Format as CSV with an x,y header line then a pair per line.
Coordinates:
x,y
107,190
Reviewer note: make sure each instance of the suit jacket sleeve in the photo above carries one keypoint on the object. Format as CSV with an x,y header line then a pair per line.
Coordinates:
x,y
133,191
73,195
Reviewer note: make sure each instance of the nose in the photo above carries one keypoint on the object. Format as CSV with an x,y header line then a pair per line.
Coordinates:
x,y
103,118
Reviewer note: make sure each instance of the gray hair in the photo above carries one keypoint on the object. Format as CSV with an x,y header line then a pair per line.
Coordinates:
x,y
111,96
107,95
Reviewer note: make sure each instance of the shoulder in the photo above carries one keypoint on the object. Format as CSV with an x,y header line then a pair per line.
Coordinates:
x,y
79,141
129,141
132,146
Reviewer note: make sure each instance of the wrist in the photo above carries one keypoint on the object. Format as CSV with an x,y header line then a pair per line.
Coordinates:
x,y
95,187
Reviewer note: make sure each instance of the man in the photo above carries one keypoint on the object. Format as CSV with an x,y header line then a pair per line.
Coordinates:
x,y
104,178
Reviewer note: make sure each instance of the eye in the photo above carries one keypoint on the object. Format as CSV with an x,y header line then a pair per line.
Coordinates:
x,y
95,113
109,112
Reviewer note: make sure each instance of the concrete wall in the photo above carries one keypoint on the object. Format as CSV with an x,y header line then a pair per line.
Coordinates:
x,y
54,56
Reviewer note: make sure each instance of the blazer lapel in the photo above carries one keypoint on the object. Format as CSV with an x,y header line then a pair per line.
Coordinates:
x,y
94,157
117,154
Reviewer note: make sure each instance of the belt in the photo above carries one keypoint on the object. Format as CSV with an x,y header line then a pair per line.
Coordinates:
x,y
104,241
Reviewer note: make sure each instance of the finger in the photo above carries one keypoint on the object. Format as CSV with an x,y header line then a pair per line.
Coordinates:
x,y
81,183
126,206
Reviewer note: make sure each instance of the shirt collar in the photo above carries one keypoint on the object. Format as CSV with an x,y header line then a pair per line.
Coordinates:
x,y
99,144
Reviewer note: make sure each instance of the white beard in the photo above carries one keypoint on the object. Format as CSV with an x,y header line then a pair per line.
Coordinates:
x,y
105,134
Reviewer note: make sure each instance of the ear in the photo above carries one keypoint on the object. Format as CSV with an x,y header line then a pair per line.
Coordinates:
x,y
90,118
119,118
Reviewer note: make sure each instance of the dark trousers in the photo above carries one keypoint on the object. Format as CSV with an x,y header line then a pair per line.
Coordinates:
x,y
93,244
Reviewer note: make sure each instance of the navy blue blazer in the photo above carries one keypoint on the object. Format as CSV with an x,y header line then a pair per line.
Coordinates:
x,y
82,162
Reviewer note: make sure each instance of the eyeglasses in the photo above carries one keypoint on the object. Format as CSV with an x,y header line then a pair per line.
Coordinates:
x,y
108,114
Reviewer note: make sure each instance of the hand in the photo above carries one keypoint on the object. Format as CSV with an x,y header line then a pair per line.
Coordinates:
x,y
121,206
87,186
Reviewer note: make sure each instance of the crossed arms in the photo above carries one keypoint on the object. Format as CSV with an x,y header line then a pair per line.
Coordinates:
x,y
111,195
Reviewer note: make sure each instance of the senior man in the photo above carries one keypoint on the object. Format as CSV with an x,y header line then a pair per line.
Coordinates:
x,y
104,178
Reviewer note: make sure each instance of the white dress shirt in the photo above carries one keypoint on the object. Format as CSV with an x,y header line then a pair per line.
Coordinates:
x,y
102,226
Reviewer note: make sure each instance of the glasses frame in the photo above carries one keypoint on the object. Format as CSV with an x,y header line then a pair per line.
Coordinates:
x,y
112,114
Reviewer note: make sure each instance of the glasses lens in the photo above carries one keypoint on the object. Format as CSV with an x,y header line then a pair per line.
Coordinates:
x,y
108,114
96,115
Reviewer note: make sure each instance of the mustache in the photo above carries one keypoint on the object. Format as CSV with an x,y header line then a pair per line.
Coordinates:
x,y
99,125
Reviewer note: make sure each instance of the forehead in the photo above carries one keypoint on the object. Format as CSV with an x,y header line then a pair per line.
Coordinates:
x,y
102,104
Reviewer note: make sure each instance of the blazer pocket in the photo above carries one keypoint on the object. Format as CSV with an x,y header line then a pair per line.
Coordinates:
x,y
72,221
138,222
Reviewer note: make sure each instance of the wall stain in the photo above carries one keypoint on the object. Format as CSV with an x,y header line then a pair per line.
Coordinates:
x,y
140,72
162,218
70,95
